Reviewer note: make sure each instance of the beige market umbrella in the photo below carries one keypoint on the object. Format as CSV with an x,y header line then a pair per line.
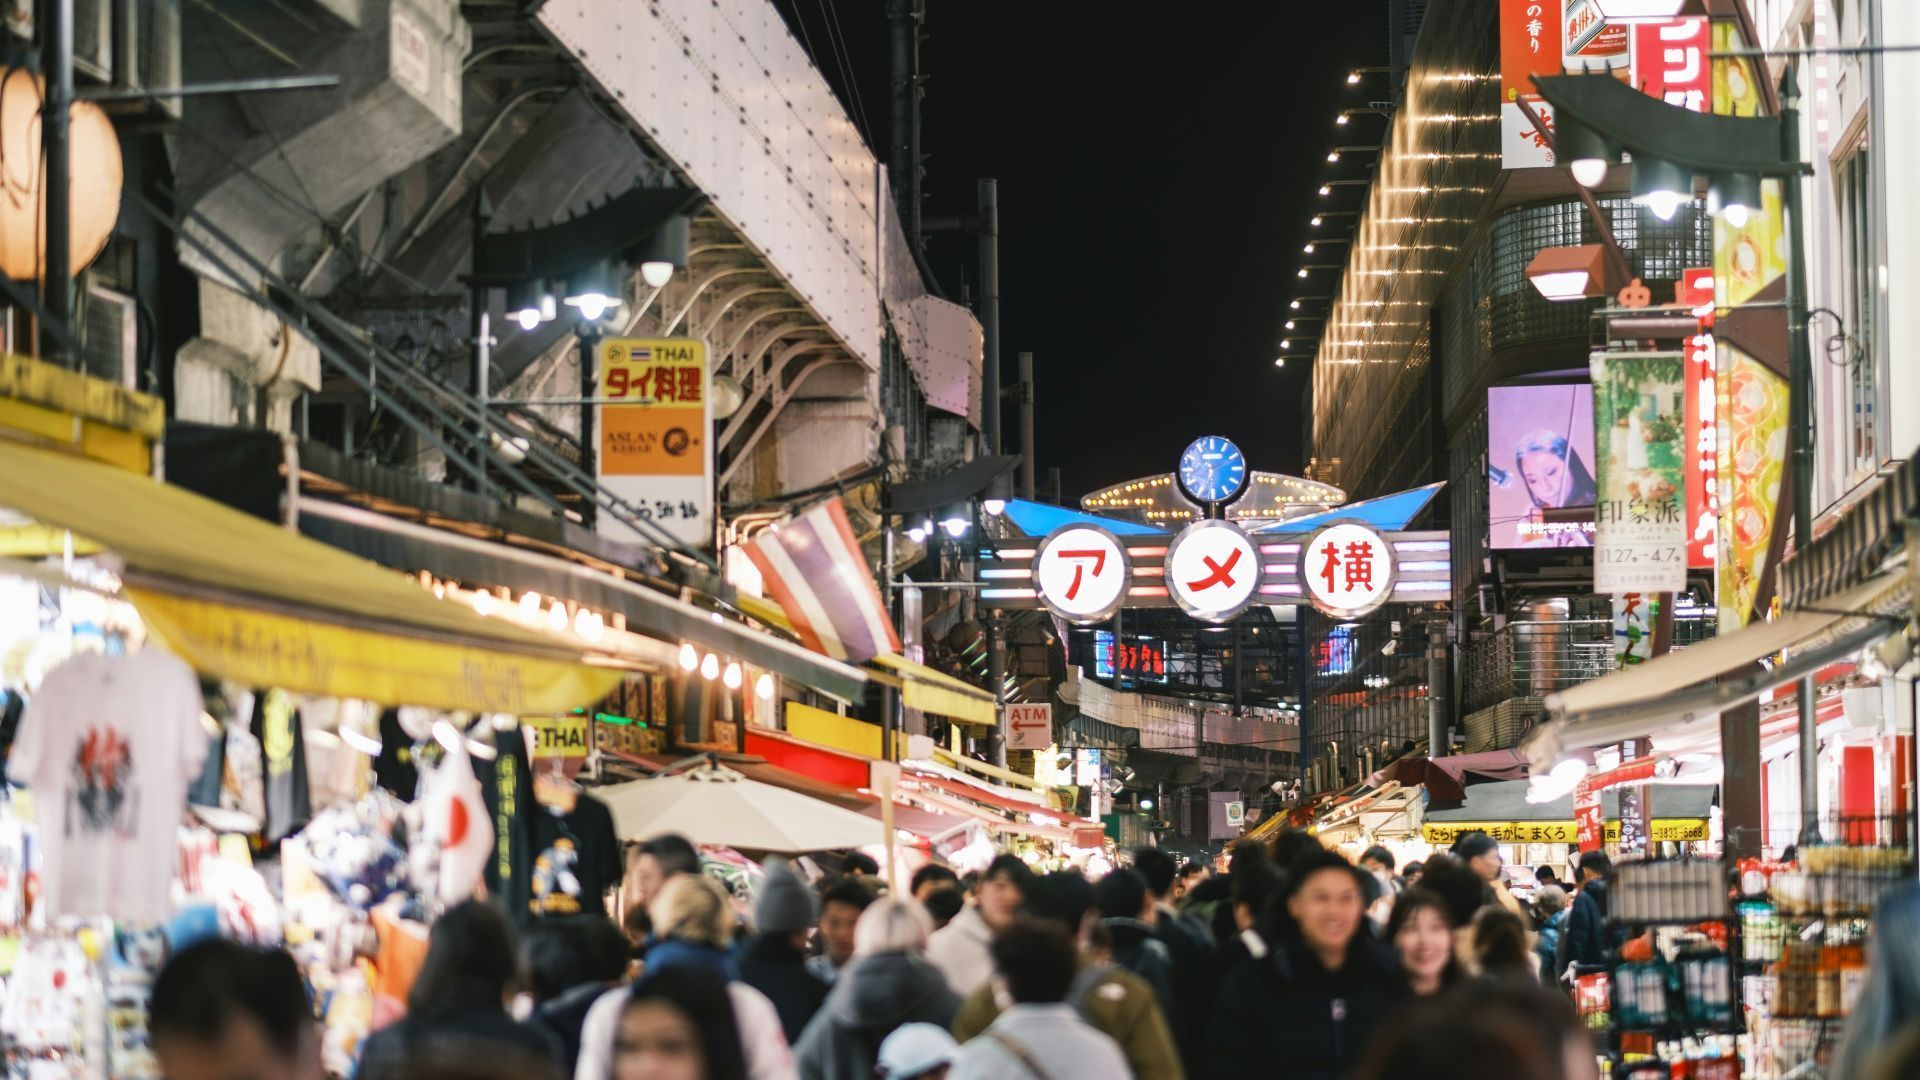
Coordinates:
x,y
716,805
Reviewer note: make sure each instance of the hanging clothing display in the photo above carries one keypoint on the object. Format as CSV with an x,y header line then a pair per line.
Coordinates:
x,y
395,769
578,860
506,783
276,723
108,747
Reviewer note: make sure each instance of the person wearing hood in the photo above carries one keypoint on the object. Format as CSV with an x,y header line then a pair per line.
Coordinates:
x,y
959,949
774,960
888,983
1125,911
692,929
1307,1011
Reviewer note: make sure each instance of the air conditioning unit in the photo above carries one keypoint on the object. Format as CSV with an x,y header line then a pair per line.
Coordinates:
x,y
130,45
109,334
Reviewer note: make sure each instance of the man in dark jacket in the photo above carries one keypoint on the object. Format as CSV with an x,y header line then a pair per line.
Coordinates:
x,y
1306,1011
1587,939
889,983
774,960
1189,943
1125,914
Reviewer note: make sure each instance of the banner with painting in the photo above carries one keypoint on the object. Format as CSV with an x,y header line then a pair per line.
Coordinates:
x,y
1639,409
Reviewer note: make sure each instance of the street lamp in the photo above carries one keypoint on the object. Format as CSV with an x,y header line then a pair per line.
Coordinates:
x,y
1660,186
1673,145
1327,187
1329,240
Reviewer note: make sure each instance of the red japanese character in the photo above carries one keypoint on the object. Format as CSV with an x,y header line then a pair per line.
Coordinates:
x,y
1096,556
663,384
1332,565
1359,565
689,384
1220,575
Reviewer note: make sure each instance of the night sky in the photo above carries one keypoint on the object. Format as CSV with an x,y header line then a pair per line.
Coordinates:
x,y
1157,170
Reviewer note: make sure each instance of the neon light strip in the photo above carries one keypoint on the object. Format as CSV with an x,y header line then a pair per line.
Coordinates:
x,y
1421,566
1281,568
1279,549
1423,586
1281,590
1147,590
1145,552
1006,594
1006,573
1149,571
1010,554
1423,545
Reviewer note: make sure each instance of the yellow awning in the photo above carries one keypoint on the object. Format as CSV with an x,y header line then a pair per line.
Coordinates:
x,y
932,691
239,598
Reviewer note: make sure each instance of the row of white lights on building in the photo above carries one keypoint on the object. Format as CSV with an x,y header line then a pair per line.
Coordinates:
x,y
591,296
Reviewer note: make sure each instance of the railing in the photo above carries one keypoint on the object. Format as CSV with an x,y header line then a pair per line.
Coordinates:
x,y
1534,659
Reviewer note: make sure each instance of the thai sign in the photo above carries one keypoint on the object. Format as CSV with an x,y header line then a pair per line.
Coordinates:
x,y
656,436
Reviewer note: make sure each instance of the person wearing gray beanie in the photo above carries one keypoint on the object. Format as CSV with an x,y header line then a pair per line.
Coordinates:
x,y
774,959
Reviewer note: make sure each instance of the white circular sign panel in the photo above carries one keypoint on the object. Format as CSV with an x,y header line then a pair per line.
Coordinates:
x,y
1213,570
1081,573
1347,569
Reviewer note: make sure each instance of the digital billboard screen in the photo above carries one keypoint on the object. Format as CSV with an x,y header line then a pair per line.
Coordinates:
x,y
1540,466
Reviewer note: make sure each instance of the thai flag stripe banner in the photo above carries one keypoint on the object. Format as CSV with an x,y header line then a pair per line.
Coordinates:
x,y
814,569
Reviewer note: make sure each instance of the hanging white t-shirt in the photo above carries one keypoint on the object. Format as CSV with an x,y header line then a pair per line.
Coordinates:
x,y
109,745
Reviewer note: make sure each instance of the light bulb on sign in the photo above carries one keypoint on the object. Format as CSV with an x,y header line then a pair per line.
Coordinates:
x,y
656,273
1736,215
589,624
709,667
529,605
1590,172
528,318
485,603
733,676
557,617
1664,204
689,658
763,686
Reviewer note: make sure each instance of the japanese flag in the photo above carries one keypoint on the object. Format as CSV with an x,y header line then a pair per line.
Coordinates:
x,y
455,822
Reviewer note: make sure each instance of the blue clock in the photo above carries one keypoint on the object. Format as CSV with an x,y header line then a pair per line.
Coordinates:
x,y
1213,470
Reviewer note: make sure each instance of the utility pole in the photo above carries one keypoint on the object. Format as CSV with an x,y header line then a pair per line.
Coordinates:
x,y
903,22
1800,399
57,58
1026,426
989,236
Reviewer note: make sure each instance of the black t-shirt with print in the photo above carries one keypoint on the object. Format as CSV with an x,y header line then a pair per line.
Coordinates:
x,y
576,859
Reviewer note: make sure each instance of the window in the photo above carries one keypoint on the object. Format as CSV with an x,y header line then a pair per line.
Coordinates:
x,y
1853,193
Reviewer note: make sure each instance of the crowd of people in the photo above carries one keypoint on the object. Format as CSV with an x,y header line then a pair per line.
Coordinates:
x,y
1296,963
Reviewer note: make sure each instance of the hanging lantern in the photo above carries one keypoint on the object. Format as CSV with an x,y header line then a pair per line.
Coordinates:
x,y
94,178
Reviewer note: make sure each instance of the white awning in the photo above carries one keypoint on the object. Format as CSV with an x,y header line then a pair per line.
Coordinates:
x,y
1695,685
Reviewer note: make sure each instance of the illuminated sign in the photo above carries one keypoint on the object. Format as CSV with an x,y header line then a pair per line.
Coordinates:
x,y
1333,655
1140,658
1212,570
1081,573
1347,569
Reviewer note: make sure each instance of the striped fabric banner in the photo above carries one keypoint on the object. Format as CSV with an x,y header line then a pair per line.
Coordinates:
x,y
1858,543
814,569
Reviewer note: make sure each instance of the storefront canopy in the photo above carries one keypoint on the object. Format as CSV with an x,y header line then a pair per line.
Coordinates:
x,y
1695,685
1446,778
239,598
1675,812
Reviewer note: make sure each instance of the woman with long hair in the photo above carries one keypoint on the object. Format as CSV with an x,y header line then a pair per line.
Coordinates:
x,y
1421,931
459,1001
1555,477
679,1025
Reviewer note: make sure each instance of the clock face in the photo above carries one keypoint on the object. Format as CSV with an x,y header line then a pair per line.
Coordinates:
x,y
1212,470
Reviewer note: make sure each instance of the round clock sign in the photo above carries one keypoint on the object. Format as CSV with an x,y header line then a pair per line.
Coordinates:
x,y
1212,470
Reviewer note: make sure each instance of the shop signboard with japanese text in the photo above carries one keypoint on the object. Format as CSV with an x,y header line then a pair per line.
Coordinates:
x,y
1660,830
1640,528
1667,59
1695,292
656,436
1081,573
1540,481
